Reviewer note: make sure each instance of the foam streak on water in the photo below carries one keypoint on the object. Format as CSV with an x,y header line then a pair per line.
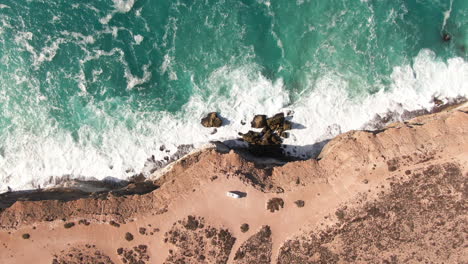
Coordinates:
x,y
94,90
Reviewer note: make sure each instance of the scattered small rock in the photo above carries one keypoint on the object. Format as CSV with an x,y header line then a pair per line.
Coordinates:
x,y
365,181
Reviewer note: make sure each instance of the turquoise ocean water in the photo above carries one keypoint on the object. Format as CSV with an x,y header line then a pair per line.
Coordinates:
x,y
91,89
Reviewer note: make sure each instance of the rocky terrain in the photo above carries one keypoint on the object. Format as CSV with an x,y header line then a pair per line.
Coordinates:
x,y
394,195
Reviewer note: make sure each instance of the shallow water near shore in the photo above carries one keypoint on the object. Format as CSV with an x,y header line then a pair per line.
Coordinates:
x,y
92,90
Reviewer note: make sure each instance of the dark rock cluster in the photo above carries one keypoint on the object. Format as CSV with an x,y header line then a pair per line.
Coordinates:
x,y
212,120
273,129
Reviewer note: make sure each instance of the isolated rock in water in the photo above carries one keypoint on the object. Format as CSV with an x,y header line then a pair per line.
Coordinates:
x,y
446,37
212,120
259,121
276,121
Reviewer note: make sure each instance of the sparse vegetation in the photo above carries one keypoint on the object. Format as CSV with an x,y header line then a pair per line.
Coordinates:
x,y
69,225
128,236
84,222
113,223
275,204
244,227
300,203
26,236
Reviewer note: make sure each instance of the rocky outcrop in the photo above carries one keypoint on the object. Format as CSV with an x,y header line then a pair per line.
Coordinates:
x,y
268,141
259,121
211,120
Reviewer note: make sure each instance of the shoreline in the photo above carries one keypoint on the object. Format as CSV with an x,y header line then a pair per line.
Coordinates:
x,y
155,168
352,203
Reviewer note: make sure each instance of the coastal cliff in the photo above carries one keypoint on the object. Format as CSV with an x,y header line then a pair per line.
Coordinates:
x,y
395,195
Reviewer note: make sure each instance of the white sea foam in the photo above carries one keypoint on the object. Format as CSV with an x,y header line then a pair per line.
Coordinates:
x,y
447,15
30,161
138,39
121,6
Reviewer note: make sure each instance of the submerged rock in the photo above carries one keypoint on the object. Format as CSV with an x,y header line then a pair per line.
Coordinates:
x,y
212,120
446,37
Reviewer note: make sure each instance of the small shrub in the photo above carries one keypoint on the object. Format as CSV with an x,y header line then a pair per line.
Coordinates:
x,y
115,224
300,203
244,227
26,236
274,204
69,225
128,236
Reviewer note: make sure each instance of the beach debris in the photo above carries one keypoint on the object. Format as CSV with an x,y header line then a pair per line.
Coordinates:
x,y
212,120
